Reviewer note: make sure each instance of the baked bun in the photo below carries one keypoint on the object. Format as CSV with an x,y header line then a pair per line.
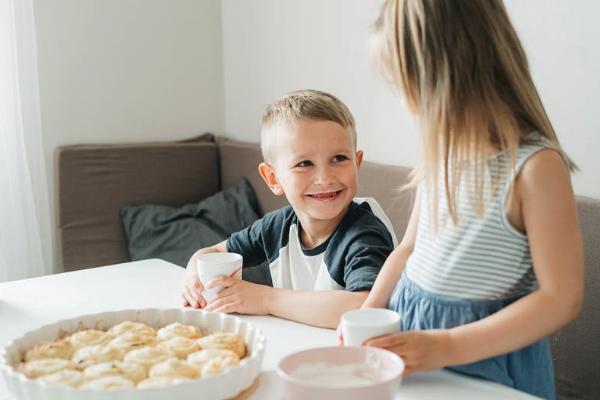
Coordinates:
x,y
88,337
114,382
46,366
179,329
173,367
60,349
161,381
130,370
129,326
179,346
132,340
147,356
224,340
66,377
96,354
225,357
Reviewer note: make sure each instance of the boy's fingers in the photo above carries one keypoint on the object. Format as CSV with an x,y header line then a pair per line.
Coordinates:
x,y
228,308
219,302
234,273
184,301
189,298
221,281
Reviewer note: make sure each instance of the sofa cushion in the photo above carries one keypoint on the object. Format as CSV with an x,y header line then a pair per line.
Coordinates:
x,y
175,233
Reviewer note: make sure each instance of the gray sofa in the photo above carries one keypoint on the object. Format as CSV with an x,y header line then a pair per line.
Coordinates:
x,y
94,181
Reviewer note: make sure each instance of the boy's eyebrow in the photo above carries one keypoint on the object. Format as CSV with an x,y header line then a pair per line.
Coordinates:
x,y
304,156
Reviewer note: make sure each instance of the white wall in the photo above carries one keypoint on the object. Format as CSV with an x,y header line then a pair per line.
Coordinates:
x,y
274,46
128,71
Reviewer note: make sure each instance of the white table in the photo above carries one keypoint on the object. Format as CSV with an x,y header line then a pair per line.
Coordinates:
x,y
28,304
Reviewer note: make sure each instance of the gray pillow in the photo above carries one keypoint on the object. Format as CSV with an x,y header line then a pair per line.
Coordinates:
x,y
174,234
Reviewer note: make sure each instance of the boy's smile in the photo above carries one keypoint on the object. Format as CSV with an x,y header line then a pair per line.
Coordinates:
x,y
315,165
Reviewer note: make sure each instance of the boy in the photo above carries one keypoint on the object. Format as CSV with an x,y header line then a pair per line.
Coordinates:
x,y
320,244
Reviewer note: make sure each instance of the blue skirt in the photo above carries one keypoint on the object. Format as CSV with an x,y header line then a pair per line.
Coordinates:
x,y
528,369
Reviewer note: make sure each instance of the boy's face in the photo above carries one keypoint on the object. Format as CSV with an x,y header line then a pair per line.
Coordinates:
x,y
315,164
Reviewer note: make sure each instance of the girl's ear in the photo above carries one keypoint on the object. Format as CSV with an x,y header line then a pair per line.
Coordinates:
x,y
267,172
359,158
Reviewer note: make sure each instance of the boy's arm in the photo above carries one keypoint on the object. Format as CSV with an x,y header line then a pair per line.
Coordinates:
x,y
317,308
192,287
389,275
322,308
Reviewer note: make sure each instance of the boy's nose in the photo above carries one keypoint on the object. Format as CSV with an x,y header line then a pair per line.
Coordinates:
x,y
324,176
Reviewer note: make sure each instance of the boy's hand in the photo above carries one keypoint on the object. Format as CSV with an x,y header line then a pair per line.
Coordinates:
x,y
192,287
239,296
340,337
420,350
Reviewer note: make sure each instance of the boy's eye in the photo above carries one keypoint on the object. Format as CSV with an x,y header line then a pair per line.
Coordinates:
x,y
339,158
304,164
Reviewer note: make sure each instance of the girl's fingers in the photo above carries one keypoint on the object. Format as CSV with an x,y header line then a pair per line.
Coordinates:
x,y
386,341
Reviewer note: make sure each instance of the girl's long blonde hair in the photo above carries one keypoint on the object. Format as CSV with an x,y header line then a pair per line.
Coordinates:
x,y
463,71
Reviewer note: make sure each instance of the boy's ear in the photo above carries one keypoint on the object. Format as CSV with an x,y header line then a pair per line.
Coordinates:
x,y
359,158
267,172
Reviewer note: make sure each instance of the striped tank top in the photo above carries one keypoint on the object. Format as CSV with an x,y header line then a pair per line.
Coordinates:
x,y
479,257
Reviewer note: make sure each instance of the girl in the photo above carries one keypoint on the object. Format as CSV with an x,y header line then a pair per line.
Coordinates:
x,y
491,262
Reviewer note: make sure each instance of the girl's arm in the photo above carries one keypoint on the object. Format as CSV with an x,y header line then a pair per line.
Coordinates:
x,y
389,275
547,204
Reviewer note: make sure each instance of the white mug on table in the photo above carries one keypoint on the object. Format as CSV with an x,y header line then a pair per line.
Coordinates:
x,y
212,265
363,324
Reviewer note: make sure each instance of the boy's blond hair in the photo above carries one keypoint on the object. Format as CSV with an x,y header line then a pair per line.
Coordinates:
x,y
304,104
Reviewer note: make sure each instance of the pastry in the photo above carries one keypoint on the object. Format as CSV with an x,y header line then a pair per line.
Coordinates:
x,y
130,370
179,346
108,383
147,356
129,326
173,367
215,366
132,340
161,381
60,349
46,366
88,337
66,377
178,329
225,357
224,340
95,354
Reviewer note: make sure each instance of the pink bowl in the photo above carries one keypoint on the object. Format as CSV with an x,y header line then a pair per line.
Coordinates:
x,y
349,373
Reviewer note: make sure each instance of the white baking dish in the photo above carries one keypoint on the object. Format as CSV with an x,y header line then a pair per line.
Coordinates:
x,y
224,386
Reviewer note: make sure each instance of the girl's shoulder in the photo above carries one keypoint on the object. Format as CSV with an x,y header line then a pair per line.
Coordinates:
x,y
545,167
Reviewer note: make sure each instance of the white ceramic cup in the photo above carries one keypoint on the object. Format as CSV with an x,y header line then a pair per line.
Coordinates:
x,y
363,324
212,265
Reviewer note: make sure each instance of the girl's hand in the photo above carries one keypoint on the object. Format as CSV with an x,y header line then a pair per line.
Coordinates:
x,y
192,287
420,350
239,296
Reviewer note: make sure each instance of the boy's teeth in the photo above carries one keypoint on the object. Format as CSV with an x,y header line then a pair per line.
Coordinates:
x,y
320,195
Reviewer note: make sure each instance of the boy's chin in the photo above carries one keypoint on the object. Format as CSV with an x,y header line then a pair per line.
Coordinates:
x,y
325,213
